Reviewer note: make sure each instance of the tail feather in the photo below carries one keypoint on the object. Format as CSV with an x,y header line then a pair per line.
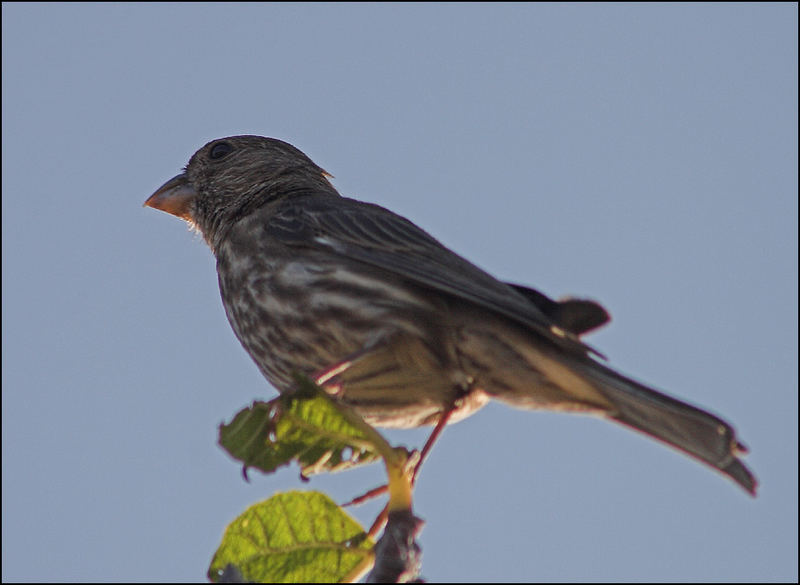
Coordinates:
x,y
692,430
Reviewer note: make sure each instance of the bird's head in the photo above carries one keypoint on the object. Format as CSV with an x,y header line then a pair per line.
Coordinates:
x,y
228,178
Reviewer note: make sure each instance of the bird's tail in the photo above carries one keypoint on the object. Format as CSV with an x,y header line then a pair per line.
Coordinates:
x,y
685,427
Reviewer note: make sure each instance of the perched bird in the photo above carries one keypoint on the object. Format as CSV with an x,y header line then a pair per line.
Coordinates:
x,y
392,322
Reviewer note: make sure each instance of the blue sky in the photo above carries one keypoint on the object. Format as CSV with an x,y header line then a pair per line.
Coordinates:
x,y
641,155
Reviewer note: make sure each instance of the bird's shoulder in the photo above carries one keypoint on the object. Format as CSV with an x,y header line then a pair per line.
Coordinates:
x,y
333,221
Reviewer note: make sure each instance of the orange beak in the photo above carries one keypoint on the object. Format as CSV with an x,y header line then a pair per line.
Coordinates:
x,y
175,197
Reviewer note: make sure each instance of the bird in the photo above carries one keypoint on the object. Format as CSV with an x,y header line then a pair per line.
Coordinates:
x,y
391,322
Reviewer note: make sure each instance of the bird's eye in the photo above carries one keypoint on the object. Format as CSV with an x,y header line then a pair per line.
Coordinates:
x,y
220,150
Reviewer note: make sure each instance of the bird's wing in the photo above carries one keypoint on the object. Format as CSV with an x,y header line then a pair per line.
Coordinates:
x,y
378,237
576,315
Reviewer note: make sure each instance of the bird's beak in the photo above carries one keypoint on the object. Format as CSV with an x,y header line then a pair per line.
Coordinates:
x,y
175,197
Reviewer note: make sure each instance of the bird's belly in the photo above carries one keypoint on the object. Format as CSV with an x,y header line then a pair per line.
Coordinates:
x,y
301,318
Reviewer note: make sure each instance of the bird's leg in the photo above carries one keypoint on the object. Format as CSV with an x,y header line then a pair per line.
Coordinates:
x,y
367,496
322,378
381,519
437,430
327,378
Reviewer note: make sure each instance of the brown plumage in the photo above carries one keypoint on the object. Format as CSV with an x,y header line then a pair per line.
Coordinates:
x,y
391,321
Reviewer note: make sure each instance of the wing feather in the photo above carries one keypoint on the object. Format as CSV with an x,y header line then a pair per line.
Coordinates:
x,y
373,235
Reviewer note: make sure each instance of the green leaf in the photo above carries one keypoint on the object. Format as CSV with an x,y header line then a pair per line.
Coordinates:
x,y
294,537
307,426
